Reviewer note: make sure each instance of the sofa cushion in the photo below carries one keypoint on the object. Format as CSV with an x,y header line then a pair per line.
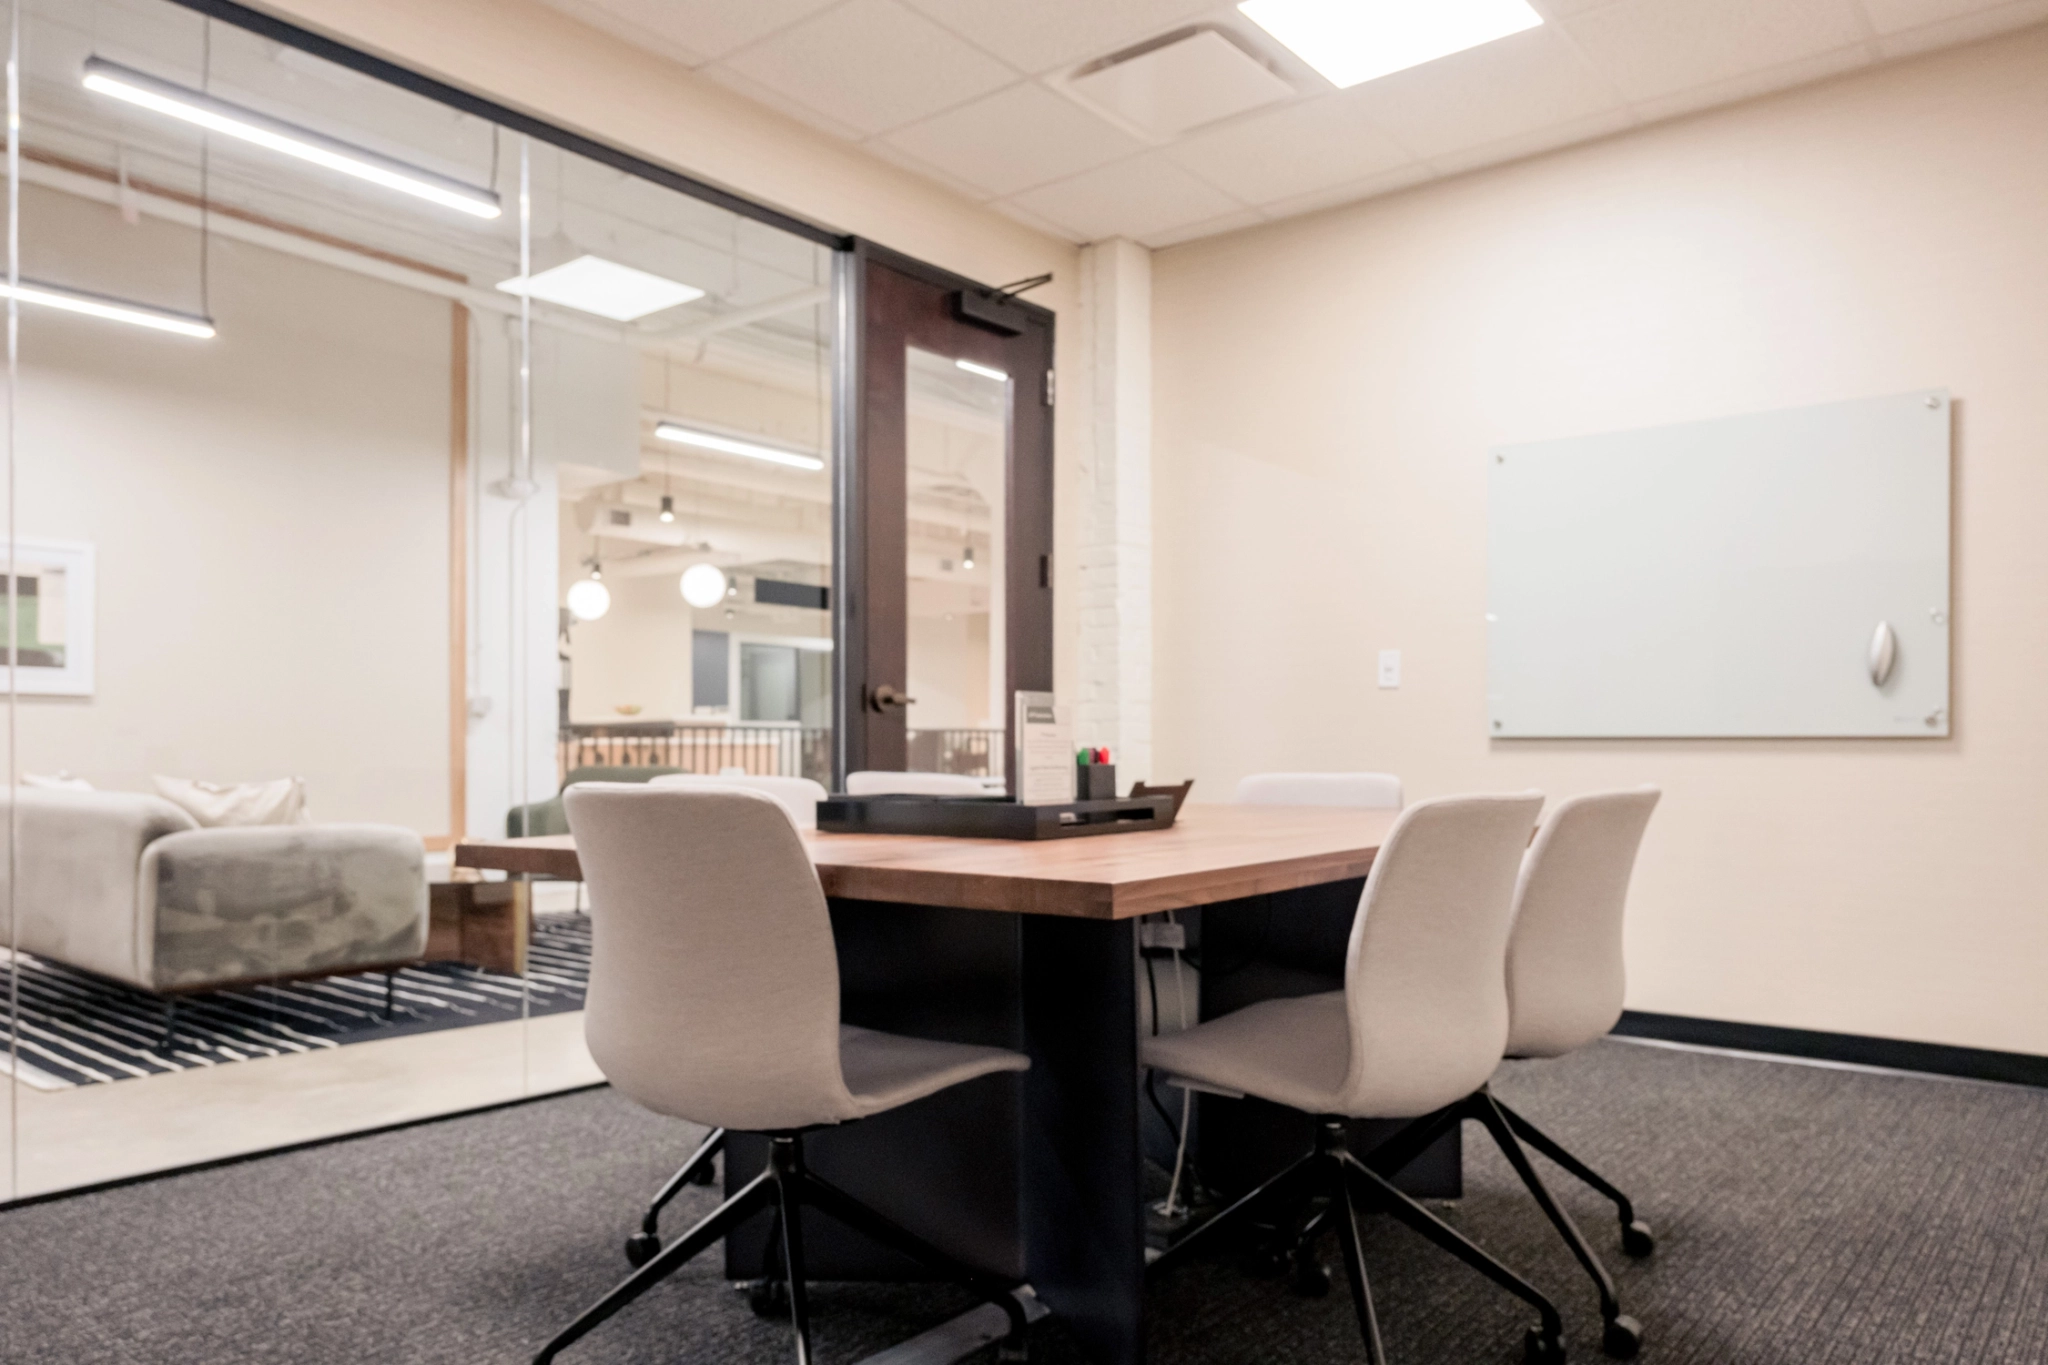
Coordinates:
x,y
235,804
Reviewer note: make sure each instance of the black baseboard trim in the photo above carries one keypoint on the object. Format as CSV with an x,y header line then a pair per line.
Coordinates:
x,y
264,1153
1937,1059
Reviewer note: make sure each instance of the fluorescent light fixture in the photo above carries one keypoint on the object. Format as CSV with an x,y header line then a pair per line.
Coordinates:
x,y
112,309
985,371
592,284
232,120
726,445
1350,42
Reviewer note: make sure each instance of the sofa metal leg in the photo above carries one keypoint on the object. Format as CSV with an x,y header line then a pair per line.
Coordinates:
x,y
170,1033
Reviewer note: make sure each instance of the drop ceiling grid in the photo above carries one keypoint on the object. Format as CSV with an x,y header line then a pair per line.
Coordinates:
x,y
968,92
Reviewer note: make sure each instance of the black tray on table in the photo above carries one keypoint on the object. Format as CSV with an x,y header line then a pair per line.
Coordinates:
x,y
991,817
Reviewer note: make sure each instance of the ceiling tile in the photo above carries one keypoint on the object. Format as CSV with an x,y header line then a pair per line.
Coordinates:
x,y
1010,209
1291,151
1143,195
690,31
1017,138
1751,84
1895,16
1650,48
873,64
1962,28
1041,35
1208,227
1505,89
780,103
896,156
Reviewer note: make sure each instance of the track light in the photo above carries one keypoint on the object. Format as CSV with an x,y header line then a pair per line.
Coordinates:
x,y
111,309
967,558
668,508
727,445
232,120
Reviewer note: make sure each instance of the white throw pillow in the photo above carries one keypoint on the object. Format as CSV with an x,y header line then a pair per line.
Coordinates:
x,y
60,779
213,804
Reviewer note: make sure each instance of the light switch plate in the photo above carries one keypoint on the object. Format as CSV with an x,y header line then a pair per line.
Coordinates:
x,y
1390,668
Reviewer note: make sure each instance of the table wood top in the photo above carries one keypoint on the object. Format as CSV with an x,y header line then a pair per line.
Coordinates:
x,y
1211,853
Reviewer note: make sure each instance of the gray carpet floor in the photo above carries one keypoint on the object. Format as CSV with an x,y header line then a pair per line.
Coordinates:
x,y
1804,1217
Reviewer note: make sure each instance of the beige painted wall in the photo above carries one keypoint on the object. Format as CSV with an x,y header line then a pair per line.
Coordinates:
x,y
270,510
1325,392
525,55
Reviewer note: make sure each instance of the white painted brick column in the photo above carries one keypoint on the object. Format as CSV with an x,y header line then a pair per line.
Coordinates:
x,y
1114,706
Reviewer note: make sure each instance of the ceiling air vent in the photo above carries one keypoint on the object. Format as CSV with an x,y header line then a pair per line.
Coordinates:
x,y
1178,81
619,516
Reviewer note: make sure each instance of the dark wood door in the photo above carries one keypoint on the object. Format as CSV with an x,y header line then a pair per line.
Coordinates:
x,y
909,315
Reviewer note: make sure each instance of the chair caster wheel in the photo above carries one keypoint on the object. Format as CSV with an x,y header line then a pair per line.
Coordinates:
x,y
1622,1338
641,1248
1540,1348
706,1174
768,1298
1310,1279
1636,1239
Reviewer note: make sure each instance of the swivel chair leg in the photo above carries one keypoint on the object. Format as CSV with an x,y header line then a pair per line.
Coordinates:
x,y
1636,1238
837,1204
1544,1343
757,1196
1621,1336
1346,1218
643,1245
786,1161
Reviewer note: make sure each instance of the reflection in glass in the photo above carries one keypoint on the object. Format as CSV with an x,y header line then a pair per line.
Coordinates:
x,y
301,602
956,458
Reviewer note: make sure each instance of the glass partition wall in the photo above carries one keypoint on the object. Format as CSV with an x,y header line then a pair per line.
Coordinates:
x,y
371,468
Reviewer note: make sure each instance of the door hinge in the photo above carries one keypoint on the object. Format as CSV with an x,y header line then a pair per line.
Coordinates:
x,y
1049,388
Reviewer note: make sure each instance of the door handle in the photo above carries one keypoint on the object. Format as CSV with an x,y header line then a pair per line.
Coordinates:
x,y
1884,654
886,696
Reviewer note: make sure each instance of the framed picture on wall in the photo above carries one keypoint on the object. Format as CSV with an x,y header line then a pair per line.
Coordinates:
x,y
48,636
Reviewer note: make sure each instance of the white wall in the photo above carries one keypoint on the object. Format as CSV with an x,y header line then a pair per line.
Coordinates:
x,y
1326,389
271,514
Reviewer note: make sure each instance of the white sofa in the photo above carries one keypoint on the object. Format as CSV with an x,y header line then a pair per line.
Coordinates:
x,y
129,886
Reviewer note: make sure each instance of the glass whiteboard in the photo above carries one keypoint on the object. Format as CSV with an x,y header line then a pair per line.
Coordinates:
x,y
1777,574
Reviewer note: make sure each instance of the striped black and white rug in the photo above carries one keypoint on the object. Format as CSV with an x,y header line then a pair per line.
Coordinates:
x,y
76,1029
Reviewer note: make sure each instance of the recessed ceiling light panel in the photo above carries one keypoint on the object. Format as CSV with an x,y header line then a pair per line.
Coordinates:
x,y
1350,42
591,284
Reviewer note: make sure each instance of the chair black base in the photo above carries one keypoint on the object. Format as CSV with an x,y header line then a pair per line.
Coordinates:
x,y
1350,1186
1621,1336
782,1189
645,1244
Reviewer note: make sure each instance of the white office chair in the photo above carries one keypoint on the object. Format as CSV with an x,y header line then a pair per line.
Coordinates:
x,y
915,784
797,795
1565,982
714,997
1421,1022
1367,791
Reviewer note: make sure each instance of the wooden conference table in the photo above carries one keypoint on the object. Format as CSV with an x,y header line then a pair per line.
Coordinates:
x,y
1033,946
